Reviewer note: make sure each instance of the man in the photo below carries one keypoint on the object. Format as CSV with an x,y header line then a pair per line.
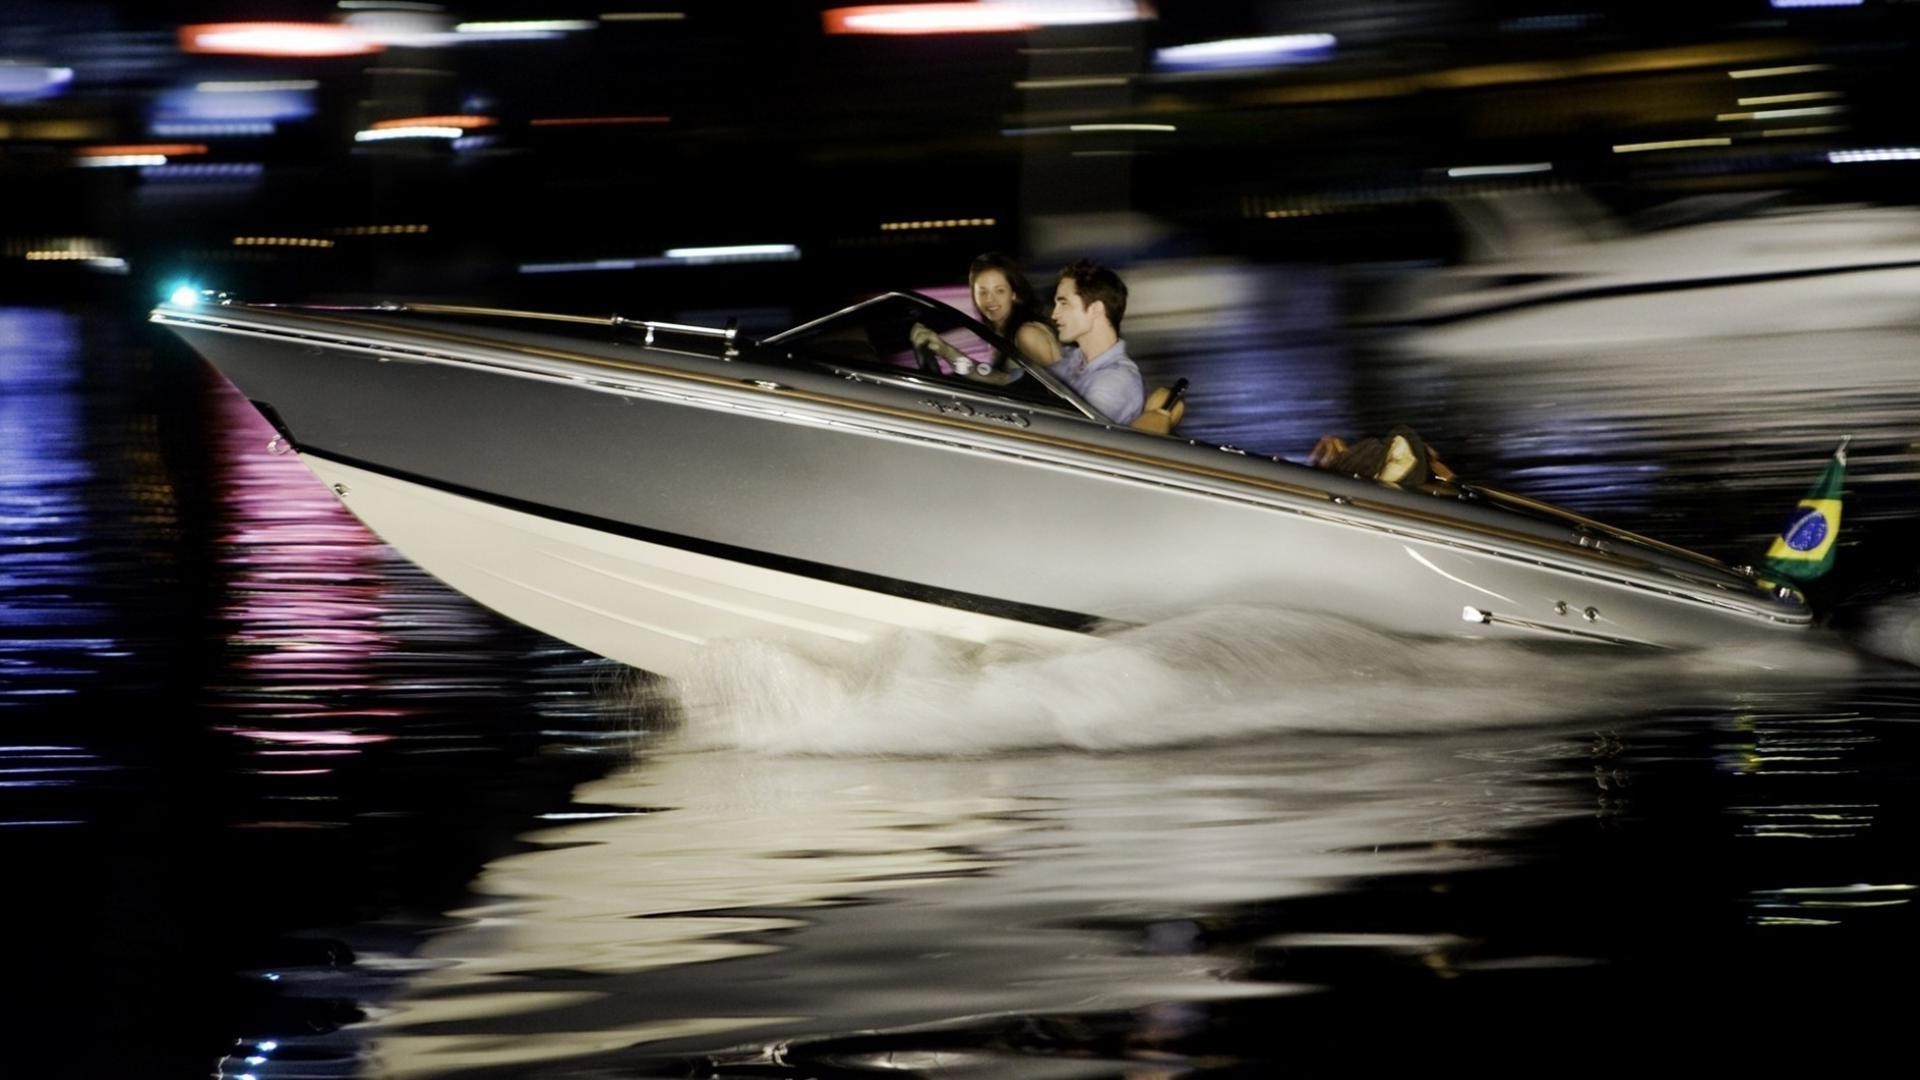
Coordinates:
x,y
1088,303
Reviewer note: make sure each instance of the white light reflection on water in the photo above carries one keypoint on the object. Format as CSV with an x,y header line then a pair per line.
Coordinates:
x,y
776,897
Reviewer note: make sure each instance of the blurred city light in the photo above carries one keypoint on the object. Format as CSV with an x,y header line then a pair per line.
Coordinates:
x,y
980,17
736,253
231,107
1461,171
1772,72
380,134
1782,114
276,39
31,82
255,86
1848,157
464,122
1670,144
1246,52
692,256
133,149
524,26
120,161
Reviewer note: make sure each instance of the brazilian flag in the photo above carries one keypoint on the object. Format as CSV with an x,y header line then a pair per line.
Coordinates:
x,y
1804,549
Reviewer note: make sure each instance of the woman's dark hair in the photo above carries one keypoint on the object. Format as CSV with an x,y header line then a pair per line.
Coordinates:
x,y
1026,302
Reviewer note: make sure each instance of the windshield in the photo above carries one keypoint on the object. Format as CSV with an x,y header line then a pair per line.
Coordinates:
x,y
912,337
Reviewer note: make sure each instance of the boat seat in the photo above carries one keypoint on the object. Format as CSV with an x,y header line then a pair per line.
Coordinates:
x,y
1165,406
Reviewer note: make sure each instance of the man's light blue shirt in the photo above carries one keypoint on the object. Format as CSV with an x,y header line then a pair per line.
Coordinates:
x,y
1110,382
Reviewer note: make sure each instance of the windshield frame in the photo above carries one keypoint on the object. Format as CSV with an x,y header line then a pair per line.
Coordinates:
x,y
1067,401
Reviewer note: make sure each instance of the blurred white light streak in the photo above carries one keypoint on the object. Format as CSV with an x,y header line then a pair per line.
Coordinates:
x,y
674,257
1245,49
1078,128
1768,73
524,26
1075,12
1848,157
384,134
32,80
736,251
121,161
1782,99
1815,3
255,86
1774,133
212,130
1670,144
222,170
1500,170
1070,84
1825,890
407,29
596,264
1782,114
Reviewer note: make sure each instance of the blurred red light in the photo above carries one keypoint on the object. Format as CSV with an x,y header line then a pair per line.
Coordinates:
x,y
276,39
923,19
463,122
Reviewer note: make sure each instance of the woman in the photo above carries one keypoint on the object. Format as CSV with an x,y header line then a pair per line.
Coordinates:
x,y
1007,303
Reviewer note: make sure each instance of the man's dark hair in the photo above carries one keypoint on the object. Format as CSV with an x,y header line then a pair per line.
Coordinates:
x,y
1095,282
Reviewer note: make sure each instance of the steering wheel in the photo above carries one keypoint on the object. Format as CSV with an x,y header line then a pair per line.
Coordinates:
x,y
929,363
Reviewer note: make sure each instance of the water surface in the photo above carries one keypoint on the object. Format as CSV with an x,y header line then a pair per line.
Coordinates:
x,y
286,807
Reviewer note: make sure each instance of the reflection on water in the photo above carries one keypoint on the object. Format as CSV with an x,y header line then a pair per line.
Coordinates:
x,y
728,898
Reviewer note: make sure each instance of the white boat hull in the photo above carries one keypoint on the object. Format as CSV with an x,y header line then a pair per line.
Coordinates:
x,y
644,604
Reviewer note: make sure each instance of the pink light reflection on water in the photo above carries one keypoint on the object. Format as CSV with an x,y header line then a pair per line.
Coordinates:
x,y
305,598
306,595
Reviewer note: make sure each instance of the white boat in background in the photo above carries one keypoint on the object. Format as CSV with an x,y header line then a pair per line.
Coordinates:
x,y
1547,274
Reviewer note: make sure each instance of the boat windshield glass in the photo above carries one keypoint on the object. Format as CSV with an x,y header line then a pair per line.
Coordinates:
x,y
912,336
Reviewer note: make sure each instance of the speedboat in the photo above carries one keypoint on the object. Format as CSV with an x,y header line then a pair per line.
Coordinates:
x,y
645,489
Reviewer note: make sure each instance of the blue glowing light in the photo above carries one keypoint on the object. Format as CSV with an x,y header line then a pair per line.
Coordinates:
x,y
183,296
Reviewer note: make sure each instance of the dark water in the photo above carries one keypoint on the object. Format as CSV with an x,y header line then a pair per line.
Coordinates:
x,y
274,803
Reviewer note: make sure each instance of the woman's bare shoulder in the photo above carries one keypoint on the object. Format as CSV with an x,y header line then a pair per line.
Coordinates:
x,y
1038,342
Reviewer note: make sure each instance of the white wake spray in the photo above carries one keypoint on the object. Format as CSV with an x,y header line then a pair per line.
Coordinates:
x,y
1218,673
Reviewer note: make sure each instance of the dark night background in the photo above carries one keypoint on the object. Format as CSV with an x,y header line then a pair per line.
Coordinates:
x,y
748,124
